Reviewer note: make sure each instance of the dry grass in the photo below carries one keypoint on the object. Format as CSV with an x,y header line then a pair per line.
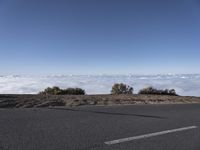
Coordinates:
x,y
27,101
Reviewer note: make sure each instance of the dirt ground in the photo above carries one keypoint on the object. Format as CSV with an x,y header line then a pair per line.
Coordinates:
x,y
28,101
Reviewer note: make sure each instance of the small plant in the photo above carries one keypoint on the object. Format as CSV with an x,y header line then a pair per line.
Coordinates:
x,y
120,88
58,91
151,90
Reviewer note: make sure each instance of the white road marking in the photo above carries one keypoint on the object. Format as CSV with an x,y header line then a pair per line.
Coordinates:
x,y
148,135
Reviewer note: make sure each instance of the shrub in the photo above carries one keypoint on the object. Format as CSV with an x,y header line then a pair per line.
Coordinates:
x,y
120,88
57,91
73,91
151,90
53,91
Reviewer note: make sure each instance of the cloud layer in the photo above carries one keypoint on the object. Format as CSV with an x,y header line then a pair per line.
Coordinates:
x,y
99,84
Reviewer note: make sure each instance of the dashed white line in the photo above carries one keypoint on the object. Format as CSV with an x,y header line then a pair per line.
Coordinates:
x,y
148,135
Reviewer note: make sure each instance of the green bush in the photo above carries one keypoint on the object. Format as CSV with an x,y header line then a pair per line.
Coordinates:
x,y
151,90
73,91
57,91
120,88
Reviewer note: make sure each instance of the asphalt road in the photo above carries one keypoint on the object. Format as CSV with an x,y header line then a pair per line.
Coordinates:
x,y
138,127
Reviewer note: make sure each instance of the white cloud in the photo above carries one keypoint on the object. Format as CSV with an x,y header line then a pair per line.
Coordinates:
x,y
100,84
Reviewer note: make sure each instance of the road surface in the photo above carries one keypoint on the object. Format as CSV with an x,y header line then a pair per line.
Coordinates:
x,y
138,127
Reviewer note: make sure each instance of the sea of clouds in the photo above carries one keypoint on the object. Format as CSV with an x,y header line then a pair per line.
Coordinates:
x,y
184,84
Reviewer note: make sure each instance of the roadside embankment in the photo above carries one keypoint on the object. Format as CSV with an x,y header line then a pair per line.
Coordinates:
x,y
28,101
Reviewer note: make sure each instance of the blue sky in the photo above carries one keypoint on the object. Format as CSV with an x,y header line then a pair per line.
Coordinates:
x,y
99,36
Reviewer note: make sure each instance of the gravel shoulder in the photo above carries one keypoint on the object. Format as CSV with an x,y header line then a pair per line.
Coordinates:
x,y
29,101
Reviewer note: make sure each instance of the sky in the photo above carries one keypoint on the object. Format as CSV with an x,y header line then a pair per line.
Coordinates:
x,y
185,85
99,36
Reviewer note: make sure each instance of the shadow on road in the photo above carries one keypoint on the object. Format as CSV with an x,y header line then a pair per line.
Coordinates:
x,y
110,113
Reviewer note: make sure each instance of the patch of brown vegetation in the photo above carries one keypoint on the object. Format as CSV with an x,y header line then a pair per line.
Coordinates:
x,y
27,101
